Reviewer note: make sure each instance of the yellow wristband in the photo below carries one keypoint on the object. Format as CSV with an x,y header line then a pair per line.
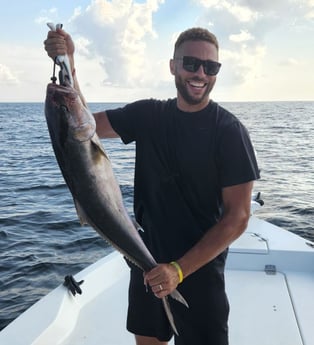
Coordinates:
x,y
180,273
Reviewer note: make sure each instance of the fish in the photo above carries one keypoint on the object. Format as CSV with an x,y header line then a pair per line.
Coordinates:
x,y
88,173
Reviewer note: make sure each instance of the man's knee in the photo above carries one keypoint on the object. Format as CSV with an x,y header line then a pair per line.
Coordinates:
x,y
142,340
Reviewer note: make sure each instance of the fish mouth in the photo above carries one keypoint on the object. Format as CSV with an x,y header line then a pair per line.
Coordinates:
x,y
60,94
66,89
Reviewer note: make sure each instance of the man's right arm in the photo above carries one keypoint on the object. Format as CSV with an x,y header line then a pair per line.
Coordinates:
x,y
60,43
103,126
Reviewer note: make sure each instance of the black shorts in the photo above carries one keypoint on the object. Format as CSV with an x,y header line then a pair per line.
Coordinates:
x,y
205,322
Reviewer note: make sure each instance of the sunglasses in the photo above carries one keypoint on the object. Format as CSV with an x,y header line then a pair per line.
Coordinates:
x,y
192,64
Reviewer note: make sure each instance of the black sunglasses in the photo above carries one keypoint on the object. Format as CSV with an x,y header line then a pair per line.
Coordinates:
x,y
192,64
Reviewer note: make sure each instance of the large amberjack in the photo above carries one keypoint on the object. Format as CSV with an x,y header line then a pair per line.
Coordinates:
x,y
87,171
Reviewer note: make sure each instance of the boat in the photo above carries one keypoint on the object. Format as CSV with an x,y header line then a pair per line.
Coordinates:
x,y
269,281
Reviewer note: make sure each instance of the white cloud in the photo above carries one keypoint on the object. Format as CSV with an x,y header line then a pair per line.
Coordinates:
x,y
47,16
262,6
310,15
243,36
241,13
241,65
246,30
208,3
7,76
25,70
114,38
127,44
115,33
289,62
82,46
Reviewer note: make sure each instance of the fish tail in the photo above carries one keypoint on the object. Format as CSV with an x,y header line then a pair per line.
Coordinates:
x,y
178,297
166,305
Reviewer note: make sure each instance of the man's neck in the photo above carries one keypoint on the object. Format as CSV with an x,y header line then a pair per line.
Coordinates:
x,y
191,108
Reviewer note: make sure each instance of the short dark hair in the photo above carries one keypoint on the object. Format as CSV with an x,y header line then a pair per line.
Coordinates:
x,y
196,34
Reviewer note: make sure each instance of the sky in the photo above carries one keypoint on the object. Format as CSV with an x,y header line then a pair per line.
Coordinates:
x,y
123,47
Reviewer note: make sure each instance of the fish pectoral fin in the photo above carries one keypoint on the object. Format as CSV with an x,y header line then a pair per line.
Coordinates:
x,y
138,227
98,146
178,297
80,213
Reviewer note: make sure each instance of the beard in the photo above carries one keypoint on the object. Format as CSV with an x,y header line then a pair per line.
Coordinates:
x,y
188,98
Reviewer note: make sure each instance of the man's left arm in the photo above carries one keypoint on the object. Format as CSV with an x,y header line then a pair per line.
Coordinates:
x,y
236,204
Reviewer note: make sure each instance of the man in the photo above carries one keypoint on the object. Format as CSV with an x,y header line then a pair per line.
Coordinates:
x,y
194,174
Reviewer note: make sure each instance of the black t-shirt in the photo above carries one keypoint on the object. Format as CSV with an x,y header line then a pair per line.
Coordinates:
x,y
183,160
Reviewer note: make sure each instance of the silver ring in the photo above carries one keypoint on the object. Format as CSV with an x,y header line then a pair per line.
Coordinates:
x,y
160,287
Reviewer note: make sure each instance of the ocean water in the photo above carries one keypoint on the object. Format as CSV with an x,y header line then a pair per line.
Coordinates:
x,y
41,239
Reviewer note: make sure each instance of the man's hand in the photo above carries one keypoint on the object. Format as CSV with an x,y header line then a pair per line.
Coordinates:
x,y
162,279
60,43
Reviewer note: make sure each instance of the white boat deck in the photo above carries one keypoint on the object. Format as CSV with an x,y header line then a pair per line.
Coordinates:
x,y
263,302
257,299
272,306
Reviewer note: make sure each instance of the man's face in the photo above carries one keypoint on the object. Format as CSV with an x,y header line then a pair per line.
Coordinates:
x,y
193,87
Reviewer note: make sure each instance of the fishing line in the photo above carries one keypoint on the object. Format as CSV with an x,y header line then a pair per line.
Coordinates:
x,y
54,78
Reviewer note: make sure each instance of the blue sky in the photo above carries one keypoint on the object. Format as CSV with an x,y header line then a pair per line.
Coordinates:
x,y
123,47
